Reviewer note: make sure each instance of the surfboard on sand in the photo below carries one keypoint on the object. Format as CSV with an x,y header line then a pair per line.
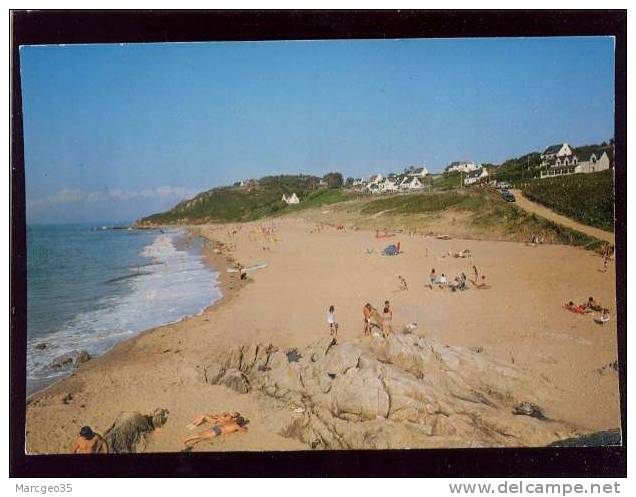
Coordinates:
x,y
247,269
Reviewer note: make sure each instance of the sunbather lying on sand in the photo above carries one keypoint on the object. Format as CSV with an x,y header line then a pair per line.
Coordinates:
x,y
222,425
572,307
593,305
462,254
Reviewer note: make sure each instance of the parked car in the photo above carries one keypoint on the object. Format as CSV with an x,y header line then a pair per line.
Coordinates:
x,y
507,196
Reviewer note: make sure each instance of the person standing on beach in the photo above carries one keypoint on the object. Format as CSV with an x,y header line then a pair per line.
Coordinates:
x,y
387,314
89,442
366,313
331,321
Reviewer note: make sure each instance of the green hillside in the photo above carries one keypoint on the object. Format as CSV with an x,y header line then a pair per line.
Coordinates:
x,y
588,198
245,203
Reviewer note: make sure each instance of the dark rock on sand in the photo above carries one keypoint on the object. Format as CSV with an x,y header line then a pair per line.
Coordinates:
x,y
129,432
599,439
399,392
74,358
528,409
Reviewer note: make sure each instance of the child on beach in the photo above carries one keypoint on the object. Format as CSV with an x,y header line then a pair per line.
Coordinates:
x,y
432,278
387,314
442,281
331,321
403,285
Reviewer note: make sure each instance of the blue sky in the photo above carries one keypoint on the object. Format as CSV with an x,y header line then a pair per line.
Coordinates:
x,y
115,132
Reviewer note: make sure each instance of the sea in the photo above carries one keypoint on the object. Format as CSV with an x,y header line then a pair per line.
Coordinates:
x,y
91,286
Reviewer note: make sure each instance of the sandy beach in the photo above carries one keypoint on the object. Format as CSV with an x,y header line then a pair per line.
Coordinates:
x,y
518,320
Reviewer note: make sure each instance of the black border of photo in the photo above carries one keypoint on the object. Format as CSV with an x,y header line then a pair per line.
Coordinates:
x,y
115,26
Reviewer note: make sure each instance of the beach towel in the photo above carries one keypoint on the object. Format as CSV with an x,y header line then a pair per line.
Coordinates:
x,y
390,250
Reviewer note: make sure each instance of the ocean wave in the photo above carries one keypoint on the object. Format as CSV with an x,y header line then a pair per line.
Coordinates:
x,y
176,284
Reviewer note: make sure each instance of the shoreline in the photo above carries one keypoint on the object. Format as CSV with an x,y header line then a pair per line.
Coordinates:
x,y
214,261
285,304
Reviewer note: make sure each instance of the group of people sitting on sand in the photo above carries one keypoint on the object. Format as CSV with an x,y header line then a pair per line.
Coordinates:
x,y
457,283
591,306
535,240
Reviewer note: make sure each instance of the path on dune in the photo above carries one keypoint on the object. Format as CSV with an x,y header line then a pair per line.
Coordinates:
x,y
541,210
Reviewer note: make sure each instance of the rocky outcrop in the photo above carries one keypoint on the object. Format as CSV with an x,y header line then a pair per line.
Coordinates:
x,y
130,430
399,392
70,359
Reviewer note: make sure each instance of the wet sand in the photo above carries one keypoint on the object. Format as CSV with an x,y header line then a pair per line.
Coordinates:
x,y
519,319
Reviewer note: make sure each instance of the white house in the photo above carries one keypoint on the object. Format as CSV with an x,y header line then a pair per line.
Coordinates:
x,y
462,166
592,162
358,182
388,185
476,176
561,159
375,178
418,172
292,199
413,183
561,152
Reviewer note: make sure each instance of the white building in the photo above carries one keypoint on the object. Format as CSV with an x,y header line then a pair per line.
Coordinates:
x,y
418,172
411,183
560,152
292,199
476,176
388,185
462,166
561,160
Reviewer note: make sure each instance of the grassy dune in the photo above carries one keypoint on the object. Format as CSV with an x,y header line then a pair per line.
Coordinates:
x,y
587,198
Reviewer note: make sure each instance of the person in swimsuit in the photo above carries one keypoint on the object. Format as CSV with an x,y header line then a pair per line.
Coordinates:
x,y
403,284
331,321
572,307
432,278
221,425
593,305
387,314
366,313
89,442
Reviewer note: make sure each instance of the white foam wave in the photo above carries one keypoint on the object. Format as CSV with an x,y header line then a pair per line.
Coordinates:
x,y
180,285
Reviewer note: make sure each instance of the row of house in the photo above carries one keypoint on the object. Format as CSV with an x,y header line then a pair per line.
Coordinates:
x,y
561,159
462,166
411,179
